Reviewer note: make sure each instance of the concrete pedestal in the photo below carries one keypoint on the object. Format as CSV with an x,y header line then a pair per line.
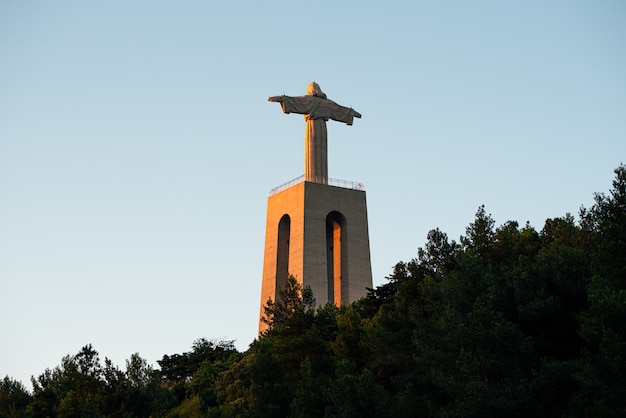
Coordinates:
x,y
317,233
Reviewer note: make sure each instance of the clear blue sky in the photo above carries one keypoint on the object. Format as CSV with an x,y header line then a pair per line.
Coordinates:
x,y
137,147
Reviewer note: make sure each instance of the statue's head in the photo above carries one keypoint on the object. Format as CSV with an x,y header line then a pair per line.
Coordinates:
x,y
313,89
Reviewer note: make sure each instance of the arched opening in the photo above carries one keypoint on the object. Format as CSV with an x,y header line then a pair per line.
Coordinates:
x,y
336,256
282,253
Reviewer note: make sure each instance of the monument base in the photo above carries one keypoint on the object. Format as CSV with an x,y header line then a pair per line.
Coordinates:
x,y
318,233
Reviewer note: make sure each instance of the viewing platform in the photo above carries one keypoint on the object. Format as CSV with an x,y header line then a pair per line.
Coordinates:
x,y
328,181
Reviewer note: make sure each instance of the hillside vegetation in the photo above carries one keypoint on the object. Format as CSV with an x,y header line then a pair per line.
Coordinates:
x,y
508,321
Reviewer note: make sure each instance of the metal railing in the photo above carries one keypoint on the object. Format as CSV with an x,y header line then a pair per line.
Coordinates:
x,y
322,180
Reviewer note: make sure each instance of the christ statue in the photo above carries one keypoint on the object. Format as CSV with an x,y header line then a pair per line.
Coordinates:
x,y
317,109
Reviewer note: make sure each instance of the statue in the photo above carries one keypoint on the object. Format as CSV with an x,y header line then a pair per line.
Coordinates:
x,y
317,109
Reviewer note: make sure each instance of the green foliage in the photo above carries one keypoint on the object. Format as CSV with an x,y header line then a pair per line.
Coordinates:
x,y
509,322
607,218
269,392
80,386
311,394
349,342
603,369
294,310
13,398
179,368
355,393
479,235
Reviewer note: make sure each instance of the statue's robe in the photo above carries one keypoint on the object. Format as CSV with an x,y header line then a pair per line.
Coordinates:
x,y
316,112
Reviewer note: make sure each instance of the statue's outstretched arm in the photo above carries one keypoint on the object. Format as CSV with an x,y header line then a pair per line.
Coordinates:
x,y
275,99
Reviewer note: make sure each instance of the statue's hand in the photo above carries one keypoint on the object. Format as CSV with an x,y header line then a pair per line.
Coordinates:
x,y
275,99
356,114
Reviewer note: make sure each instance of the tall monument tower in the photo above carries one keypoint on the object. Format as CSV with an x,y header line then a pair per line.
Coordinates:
x,y
316,227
